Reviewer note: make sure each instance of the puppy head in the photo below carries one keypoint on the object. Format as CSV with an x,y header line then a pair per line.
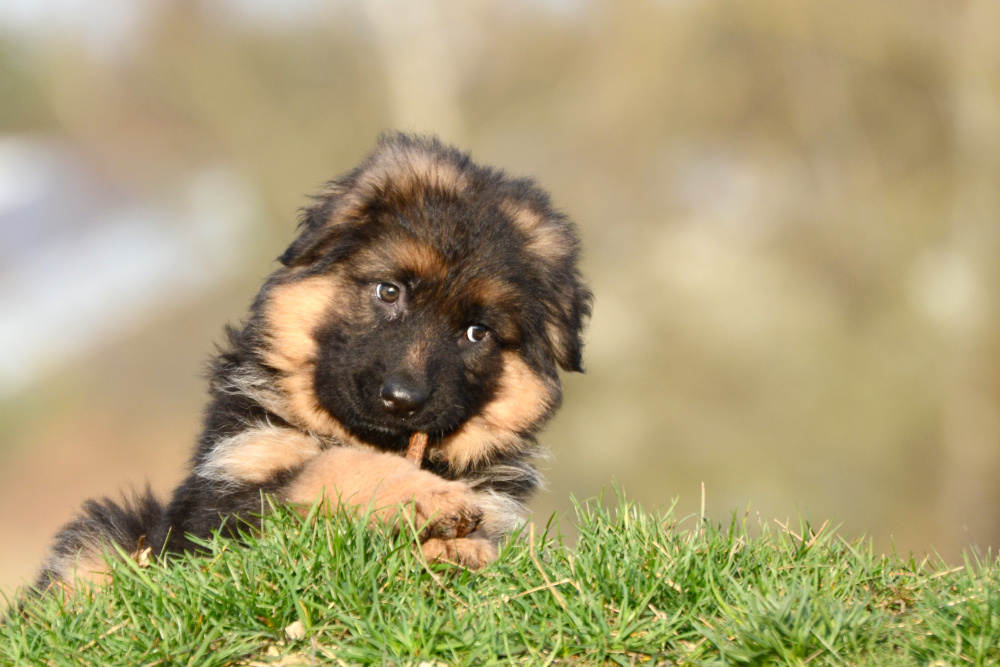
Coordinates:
x,y
426,293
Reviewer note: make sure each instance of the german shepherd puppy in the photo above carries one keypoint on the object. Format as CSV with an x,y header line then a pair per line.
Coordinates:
x,y
424,293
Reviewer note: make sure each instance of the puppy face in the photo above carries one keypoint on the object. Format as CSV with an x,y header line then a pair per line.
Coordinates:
x,y
426,293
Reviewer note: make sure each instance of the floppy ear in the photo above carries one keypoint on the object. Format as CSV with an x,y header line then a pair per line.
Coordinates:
x,y
330,229
316,230
551,241
566,319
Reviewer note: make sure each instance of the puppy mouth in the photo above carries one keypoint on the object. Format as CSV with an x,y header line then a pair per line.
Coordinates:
x,y
393,432
392,437
361,406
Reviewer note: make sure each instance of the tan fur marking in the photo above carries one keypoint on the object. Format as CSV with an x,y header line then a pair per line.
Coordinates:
x,y
493,291
418,258
522,399
558,339
544,240
392,256
294,312
257,454
411,169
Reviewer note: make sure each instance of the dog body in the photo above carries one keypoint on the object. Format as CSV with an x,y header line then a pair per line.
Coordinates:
x,y
424,293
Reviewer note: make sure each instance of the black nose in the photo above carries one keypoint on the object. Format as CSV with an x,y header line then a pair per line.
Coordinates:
x,y
402,398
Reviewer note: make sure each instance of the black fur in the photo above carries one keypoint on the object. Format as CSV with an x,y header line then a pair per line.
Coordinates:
x,y
499,256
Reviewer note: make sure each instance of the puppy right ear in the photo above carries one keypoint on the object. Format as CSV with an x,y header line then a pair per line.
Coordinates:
x,y
314,235
325,228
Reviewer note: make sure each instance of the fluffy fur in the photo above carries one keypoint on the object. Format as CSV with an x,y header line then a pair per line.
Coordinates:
x,y
423,293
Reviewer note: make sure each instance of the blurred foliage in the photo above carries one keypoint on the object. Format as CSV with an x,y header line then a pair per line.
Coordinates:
x,y
790,211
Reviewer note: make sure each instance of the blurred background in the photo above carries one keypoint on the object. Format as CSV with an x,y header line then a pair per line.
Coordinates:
x,y
790,209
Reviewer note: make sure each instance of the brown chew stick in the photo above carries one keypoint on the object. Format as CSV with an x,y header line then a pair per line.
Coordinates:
x,y
415,452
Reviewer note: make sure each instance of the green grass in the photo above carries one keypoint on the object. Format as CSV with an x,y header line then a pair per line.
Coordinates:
x,y
639,588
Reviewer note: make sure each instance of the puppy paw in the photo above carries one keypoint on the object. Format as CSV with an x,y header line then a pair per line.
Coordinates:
x,y
471,552
439,508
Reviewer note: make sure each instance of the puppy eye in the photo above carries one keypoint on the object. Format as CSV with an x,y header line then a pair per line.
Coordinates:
x,y
476,333
387,292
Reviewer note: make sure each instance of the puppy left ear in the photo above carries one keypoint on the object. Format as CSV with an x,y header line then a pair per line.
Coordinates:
x,y
551,241
565,323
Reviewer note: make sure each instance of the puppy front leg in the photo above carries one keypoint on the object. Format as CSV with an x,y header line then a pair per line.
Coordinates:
x,y
446,511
